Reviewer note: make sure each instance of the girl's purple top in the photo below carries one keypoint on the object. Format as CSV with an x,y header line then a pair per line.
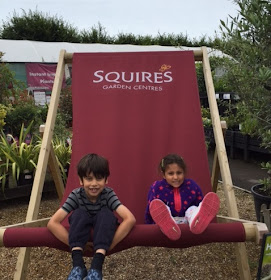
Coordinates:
x,y
189,192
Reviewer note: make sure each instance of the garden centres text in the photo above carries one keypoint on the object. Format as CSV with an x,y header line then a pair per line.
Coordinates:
x,y
133,77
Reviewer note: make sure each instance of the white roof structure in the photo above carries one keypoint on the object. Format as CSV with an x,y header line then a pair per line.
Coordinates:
x,y
48,52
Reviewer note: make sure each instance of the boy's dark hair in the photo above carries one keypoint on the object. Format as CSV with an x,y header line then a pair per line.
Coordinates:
x,y
170,159
94,163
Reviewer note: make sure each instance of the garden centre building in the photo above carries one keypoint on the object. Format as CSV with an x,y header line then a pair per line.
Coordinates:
x,y
34,63
19,53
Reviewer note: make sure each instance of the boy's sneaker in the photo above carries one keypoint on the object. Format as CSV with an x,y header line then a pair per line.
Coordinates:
x,y
205,213
161,215
77,273
94,274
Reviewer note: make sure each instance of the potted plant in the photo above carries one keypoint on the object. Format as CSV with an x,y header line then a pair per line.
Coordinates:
x,y
4,177
63,152
262,191
22,156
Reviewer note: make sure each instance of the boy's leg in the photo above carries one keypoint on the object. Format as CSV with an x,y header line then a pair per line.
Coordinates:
x,y
161,215
105,225
80,225
200,217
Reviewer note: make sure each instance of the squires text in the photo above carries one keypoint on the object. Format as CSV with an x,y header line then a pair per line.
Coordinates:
x,y
133,77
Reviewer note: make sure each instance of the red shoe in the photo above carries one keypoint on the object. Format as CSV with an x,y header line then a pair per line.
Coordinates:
x,y
207,210
162,217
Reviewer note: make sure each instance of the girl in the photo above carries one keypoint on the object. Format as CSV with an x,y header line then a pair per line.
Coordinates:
x,y
176,199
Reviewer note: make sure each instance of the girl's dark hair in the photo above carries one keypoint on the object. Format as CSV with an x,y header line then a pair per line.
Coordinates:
x,y
94,163
170,159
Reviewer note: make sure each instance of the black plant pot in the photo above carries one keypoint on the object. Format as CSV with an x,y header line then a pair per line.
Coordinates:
x,y
26,178
259,200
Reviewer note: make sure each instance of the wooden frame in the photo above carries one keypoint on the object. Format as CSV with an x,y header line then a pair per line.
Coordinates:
x,y
47,157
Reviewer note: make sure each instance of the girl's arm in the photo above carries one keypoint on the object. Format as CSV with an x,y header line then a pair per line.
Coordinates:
x,y
57,229
126,225
199,194
151,196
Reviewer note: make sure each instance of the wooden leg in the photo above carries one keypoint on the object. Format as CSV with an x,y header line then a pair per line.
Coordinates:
x,y
22,263
242,260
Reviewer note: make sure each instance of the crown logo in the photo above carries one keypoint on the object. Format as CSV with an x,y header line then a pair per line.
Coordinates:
x,y
164,67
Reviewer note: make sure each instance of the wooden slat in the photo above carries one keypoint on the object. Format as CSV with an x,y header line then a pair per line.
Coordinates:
x,y
197,56
216,168
241,252
36,223
34,203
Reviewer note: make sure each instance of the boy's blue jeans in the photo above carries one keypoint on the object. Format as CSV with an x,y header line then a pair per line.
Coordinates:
x,y
104,225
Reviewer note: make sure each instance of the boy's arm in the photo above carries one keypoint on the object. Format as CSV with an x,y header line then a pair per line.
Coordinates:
x,y
125,226
57,229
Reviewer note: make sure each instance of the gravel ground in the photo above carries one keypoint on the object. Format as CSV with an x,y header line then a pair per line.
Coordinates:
x,y
211,261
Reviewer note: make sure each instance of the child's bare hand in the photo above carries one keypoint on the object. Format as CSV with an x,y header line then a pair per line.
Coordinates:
x,y
89,248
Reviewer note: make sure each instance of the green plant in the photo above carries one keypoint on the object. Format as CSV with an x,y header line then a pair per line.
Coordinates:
x,y
65,105
3,113
206,117
266,182
22,157
63,152
229,115
9,86
61,131
18,114
38,26
246,38
3,172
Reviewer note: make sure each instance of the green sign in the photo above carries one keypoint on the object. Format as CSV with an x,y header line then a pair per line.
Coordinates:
x,y
264,270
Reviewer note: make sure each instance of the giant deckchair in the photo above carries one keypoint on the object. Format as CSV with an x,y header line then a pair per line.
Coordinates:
x,y
134,108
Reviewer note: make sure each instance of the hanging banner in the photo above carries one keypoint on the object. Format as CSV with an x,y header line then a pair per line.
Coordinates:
x,y
40,76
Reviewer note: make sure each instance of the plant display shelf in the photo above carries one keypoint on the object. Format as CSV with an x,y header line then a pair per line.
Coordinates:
x,y
24,191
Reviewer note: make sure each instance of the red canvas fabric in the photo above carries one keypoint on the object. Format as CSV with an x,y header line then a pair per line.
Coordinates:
x,y
134,108
141,235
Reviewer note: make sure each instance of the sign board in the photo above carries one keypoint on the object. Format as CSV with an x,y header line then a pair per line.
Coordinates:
x,y
40,76
48,98
40,98
264,270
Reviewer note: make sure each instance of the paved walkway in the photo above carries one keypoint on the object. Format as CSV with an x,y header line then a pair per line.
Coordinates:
x,y
245,174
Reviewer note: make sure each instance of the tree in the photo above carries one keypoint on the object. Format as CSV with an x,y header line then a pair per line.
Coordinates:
x,y
97,34
6,79
9,86
247,39
37,26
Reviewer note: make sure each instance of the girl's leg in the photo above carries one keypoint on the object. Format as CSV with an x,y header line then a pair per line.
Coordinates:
x,y
200,217
191,212
161,215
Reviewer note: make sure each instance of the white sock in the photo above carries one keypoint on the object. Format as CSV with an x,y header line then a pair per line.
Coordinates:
x,y
191,212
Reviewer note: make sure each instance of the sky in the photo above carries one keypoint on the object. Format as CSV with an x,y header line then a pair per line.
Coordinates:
x,y
194,18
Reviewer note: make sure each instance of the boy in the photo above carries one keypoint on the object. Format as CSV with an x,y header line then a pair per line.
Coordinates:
x,y
92,206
